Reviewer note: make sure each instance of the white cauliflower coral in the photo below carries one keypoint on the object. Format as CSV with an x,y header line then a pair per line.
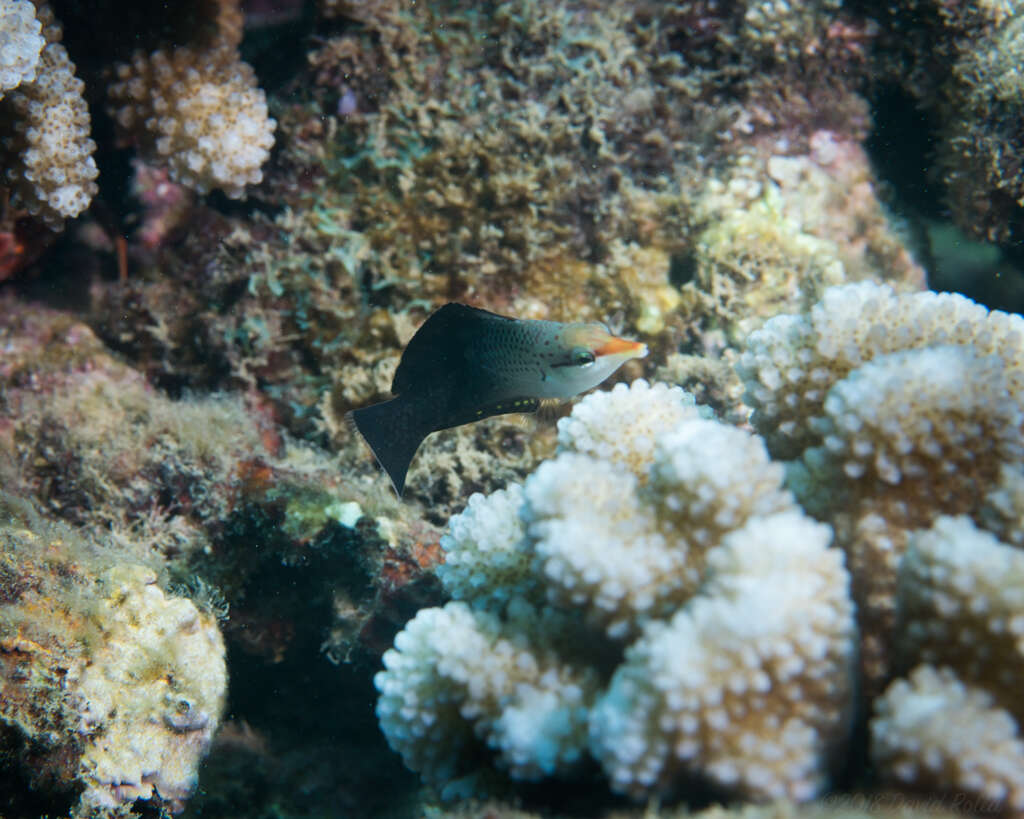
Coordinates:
x,y
749,683
790,364
961,605
456,676
896,408
672,537
622,551
485,559
596,425
933,732
198,112
20,43
44,121
904,417
597,548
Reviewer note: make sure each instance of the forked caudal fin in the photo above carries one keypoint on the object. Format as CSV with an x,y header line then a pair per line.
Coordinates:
x,y
393,433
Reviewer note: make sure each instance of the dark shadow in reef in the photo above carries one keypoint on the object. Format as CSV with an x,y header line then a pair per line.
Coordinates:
x,y
902,151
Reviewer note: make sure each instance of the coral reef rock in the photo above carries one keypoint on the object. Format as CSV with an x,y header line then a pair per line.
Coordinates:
x,y
979,109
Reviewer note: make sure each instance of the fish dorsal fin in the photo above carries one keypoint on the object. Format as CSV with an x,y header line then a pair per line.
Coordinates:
x,y
439,345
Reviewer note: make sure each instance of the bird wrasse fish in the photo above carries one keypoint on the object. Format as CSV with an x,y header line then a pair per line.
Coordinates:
x,y
465,364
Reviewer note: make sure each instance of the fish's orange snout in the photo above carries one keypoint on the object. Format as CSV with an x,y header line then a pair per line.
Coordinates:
x,y
622,346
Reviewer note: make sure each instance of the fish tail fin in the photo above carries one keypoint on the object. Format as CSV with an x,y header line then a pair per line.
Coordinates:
x,y
393,433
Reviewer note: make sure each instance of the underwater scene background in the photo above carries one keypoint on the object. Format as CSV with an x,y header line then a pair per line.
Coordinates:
x,y
775,568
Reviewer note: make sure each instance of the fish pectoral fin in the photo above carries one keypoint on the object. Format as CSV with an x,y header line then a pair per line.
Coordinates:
x,y
523,422
551,409
393,430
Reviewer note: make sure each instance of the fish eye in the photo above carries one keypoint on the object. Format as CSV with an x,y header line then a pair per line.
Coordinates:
x,y
581,357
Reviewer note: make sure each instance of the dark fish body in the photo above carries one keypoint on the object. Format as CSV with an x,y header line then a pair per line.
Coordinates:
x,y
465,364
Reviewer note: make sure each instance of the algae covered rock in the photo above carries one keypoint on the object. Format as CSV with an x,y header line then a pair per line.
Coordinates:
x,y
152,692
109,687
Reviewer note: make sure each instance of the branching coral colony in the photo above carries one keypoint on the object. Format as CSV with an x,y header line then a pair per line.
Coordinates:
x,y
896,409
656,599
45,147
196,110
652,597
